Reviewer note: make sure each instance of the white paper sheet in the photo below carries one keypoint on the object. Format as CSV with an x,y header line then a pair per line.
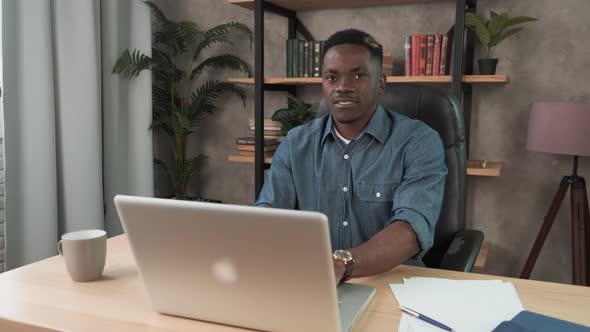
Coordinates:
x,y
464,305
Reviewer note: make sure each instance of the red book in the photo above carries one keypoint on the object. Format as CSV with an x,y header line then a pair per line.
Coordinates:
x,y
415,55
436,60
423,50
429,54
443,54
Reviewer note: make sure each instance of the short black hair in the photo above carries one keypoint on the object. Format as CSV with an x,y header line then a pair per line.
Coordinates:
x,y
356,37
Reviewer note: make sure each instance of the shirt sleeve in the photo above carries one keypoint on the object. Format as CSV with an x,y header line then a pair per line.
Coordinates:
x,y
278,190
418,199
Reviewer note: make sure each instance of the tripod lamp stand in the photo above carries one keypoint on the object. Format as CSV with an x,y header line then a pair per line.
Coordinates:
x,y
564,128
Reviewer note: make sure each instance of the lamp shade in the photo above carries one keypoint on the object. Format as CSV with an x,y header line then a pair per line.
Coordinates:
x,y
562,128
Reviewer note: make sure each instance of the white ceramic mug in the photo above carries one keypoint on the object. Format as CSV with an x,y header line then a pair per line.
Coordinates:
x,y
85,253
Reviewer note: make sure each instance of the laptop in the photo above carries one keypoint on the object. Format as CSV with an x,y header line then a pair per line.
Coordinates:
x,y
259,268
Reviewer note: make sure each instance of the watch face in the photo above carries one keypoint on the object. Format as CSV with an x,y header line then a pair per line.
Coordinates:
x,y
343,255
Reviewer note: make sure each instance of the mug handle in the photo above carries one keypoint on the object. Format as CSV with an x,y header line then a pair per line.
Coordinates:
x,y
59,248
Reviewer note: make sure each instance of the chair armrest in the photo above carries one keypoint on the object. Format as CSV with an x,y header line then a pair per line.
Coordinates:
x,y
463,251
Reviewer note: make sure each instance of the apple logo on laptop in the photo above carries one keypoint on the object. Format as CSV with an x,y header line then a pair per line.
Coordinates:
x,y
225,271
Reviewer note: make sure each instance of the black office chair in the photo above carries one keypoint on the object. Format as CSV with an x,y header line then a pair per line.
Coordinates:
x,y
455,248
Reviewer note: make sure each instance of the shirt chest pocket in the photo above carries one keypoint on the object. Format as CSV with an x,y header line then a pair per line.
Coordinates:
x,y
376,191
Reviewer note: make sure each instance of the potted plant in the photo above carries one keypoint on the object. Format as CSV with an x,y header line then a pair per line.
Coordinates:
x,y
297,113
176,63
491,32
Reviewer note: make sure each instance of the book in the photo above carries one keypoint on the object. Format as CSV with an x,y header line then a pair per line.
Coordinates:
x,y
443,54
429,54
423,51
289,58
251,147
267,132
251,153
316,59
306,59
527,321
446,53
247,159
321,53
436,59
295,56
267,122
301,58
408,55
278,128
249,140
415,55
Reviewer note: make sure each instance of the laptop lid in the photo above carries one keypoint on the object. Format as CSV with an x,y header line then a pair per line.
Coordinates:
x,y
261,268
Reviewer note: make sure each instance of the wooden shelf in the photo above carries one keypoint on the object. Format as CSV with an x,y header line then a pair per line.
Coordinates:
x,y
327,4
474,167
479,79
481,168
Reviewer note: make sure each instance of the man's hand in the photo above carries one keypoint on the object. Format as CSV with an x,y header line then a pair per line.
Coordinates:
x,y
339,270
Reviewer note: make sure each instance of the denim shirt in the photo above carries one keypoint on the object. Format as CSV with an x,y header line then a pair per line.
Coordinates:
x,y
394,170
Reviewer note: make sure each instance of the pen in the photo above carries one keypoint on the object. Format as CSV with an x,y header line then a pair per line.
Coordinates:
x,y
426,319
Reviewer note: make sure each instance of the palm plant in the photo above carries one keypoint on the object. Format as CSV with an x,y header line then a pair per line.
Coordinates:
x,y
297,113
176,62
499,27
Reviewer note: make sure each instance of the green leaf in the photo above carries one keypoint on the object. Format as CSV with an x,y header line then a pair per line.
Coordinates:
x,y
204,98
498,23
186,168
522,19
297,113
177,36
284,114
224,61
130,64
221,34
473,21
497,39
164,68
160,98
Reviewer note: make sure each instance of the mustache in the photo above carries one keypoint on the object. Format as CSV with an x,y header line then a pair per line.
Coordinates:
x,y
345,98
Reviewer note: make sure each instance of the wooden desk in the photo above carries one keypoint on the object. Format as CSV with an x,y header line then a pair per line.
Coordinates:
x,y
41,297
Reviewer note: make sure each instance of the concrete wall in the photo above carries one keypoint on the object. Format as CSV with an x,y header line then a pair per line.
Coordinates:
x,y
547,62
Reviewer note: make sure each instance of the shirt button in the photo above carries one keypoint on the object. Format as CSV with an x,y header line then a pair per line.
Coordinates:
x,y
345,223
345,189
378,195
346,156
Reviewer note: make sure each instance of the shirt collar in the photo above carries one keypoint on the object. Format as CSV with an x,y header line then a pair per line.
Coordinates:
x,y
377,126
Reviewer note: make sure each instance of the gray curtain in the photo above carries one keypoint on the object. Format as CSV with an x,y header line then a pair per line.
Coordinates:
x,y
75,134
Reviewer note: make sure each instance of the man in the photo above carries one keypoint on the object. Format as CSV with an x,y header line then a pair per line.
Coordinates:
x,y
378,175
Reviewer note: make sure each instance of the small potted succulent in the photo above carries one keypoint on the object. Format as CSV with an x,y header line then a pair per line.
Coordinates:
x,y
491,32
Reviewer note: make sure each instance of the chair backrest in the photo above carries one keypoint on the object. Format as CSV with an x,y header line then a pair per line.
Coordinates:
x,y
441,112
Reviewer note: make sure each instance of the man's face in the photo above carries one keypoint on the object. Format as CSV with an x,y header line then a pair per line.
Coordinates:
x,y
351,83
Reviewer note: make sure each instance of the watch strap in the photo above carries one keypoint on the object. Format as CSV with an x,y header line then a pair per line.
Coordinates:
x,y
347,272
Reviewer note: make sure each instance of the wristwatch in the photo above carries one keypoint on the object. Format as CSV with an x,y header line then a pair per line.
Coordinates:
x,y
346,258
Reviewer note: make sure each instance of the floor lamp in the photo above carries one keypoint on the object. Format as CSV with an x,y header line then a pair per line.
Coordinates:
x,y
564,128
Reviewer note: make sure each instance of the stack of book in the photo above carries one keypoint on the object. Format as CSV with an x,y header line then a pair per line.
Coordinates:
x,y
427,55
246,146
303,58
272,129
387,67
